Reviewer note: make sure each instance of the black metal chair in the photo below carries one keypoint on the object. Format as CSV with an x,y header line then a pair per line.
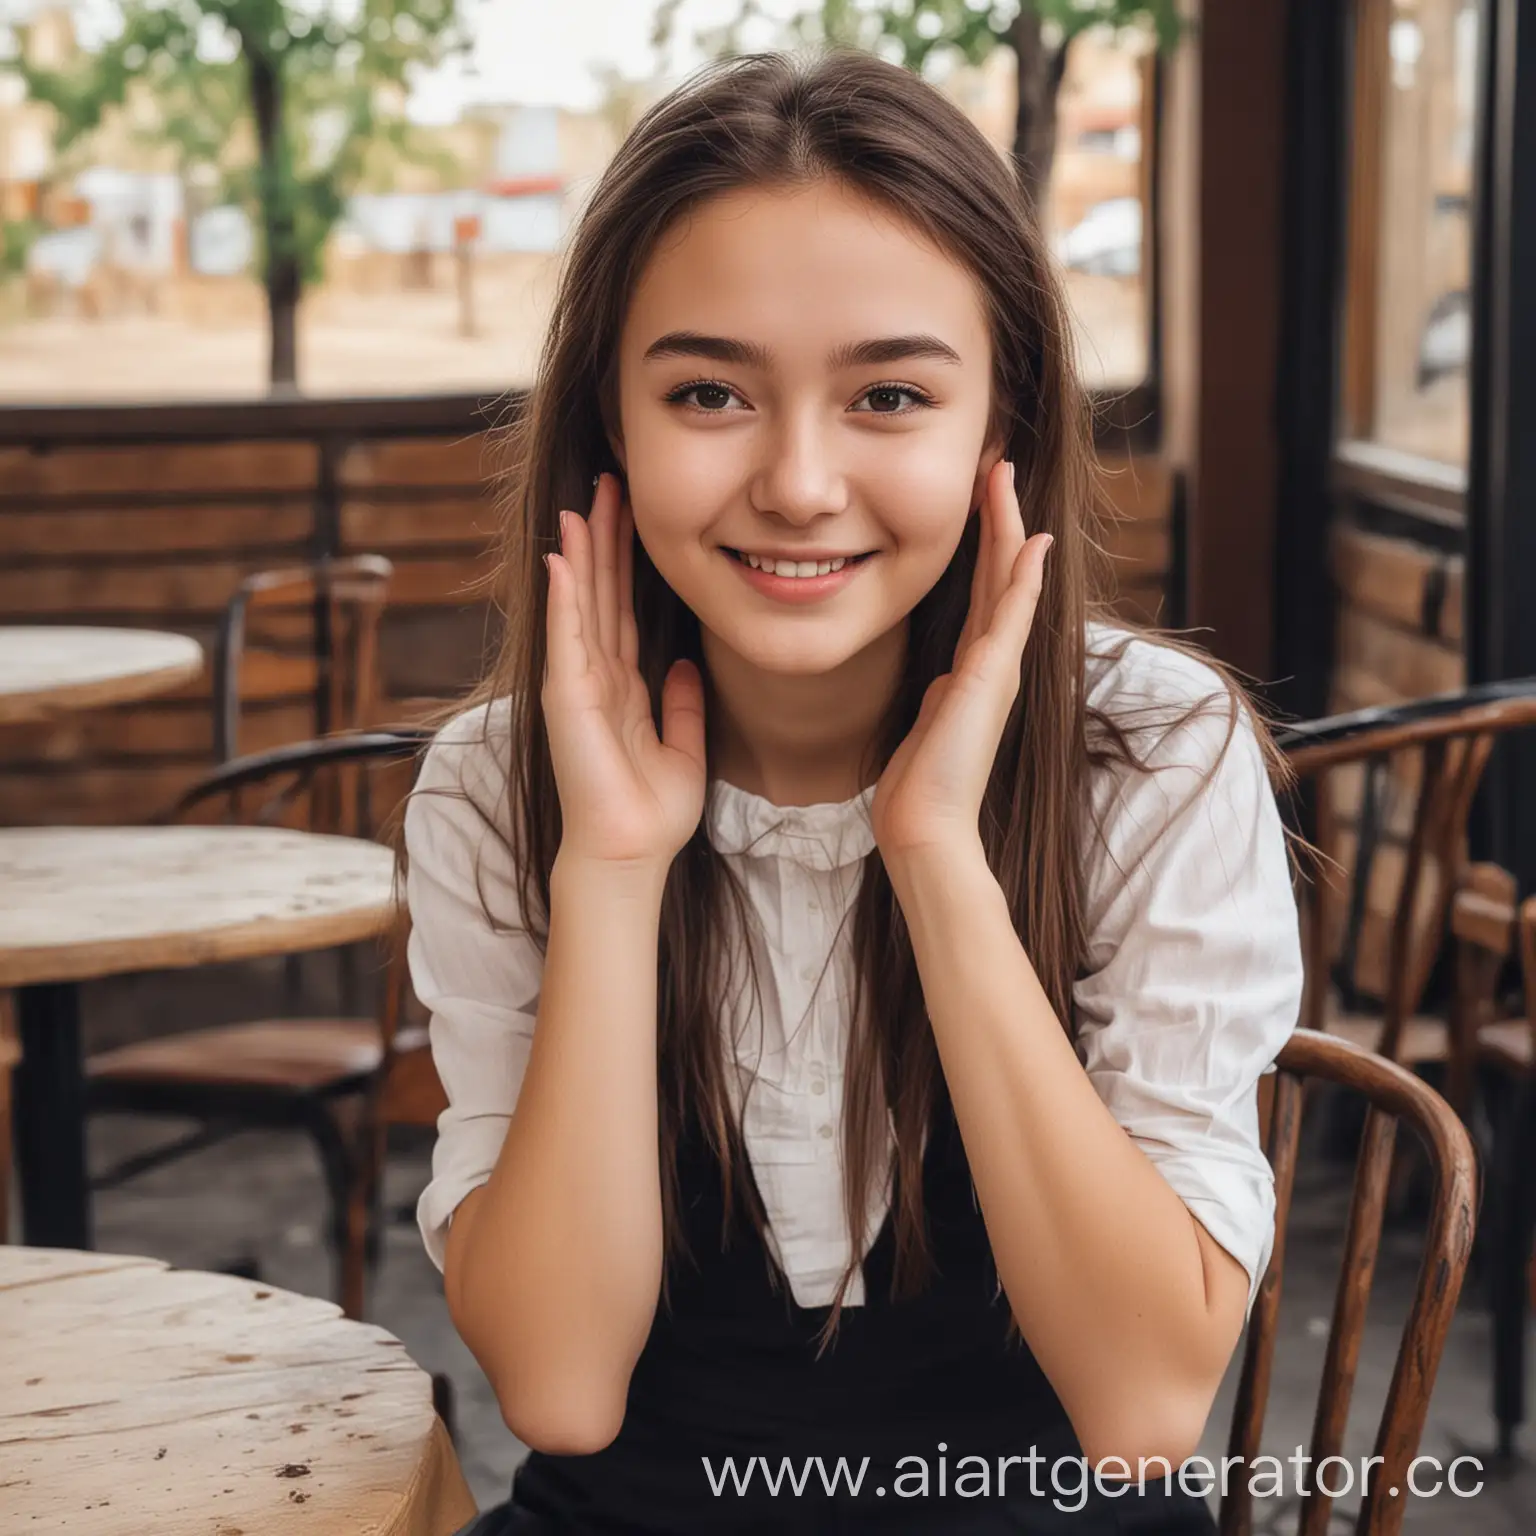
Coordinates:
x,y
320,1075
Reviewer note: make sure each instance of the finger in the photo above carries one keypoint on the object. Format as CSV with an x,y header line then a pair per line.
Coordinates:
x,y
981,575
603,526
1008,534
682,711
1015,615
629,633
565,646
577,549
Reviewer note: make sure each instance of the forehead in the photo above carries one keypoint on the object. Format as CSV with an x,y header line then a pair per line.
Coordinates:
x,y
813,264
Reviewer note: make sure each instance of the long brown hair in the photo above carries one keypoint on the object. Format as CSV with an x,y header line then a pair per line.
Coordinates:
x,y
769,119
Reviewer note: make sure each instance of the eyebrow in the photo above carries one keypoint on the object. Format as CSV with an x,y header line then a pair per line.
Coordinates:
x,y
752,354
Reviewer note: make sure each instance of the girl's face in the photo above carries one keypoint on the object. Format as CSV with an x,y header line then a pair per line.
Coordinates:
x,y
802,378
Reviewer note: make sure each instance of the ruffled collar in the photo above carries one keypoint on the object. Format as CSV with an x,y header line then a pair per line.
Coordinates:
x,y
824,836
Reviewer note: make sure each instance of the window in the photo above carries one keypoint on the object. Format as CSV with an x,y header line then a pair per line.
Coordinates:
x,y
1095,209
1408,310
438,273
1098,204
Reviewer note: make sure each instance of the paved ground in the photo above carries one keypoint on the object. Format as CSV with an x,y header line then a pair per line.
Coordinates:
x,y
263,1194
402,341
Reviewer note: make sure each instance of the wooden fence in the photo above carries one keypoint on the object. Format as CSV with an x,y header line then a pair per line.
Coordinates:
x,y
152,518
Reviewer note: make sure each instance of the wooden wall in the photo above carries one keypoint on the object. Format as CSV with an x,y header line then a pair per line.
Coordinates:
x,y
1397,636
160,536
1398,622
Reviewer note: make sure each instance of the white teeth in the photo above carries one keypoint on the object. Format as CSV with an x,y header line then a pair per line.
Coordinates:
x,y
796,567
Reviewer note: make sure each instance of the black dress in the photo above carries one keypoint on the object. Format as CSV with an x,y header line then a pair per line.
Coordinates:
x,y
729,1374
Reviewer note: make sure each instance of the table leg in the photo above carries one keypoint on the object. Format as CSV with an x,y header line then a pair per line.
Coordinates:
x,y
50,1119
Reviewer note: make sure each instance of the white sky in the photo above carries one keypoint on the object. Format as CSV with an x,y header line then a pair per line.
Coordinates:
x,y
540,51
545,50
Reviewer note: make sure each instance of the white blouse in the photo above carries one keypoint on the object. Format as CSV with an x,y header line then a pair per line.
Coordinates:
x,y
1191,984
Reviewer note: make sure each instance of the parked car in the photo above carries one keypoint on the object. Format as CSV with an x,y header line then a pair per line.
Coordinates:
x,y
1107,241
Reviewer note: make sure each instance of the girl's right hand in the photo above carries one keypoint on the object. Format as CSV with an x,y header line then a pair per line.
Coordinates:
x,y
627,796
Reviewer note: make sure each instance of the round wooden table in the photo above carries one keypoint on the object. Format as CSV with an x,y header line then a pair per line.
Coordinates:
x,y
46,670
143,1398
81,903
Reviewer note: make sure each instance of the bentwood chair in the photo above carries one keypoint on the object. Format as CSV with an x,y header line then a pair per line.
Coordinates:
x,y
1391,792
1392,1094
321,1075
1490,930
304,630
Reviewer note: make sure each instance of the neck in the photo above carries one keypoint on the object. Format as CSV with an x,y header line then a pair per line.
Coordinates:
x,y
797,739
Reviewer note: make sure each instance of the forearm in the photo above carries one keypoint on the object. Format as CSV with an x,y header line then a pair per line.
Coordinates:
x,y
554,1267
1104,1266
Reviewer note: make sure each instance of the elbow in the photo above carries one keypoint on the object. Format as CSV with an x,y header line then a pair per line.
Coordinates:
x,y
1139,1441
560,1419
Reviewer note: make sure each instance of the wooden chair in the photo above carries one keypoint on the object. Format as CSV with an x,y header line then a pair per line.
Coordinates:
x,y
310,629
1392,792
1489,931
1393,1094
321,1075
305,629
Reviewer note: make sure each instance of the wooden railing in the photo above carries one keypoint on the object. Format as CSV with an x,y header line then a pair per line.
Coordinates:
x,y
151,516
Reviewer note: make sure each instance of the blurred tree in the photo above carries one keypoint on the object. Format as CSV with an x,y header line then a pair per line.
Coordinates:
x,y
1040,32
315,82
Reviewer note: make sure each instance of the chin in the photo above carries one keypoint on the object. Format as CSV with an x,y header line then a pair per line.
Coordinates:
x,y
814,657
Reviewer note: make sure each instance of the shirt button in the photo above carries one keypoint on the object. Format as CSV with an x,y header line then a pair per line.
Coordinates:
x,y
818,1086
813,906
810,972
826,1132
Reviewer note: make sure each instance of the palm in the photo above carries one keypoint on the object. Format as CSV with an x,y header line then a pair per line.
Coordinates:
x,y
932,788
626,794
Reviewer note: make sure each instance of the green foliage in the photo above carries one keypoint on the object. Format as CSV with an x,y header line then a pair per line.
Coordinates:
x,y
16,239
328,62
914,31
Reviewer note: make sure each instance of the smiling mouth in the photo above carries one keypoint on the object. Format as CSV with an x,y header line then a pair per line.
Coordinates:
x,y
801,568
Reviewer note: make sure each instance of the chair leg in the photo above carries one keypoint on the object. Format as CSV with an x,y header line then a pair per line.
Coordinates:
x,y
344,1174
10,1054
293,983
1512,1209
5,1150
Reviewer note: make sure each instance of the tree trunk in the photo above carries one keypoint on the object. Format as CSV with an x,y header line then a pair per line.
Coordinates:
x,y
283,277
1041,69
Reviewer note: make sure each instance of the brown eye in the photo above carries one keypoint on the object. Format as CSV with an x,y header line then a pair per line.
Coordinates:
x,y
892,400
703,395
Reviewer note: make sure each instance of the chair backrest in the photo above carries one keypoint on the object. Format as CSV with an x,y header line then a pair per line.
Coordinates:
x,y
1393,1094
274,788
1483,928
304,629
1392,795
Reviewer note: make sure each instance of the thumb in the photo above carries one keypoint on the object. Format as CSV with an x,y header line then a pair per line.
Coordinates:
x,y
682,711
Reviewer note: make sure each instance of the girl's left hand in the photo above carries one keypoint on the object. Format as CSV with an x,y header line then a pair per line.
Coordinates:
x,y
931,791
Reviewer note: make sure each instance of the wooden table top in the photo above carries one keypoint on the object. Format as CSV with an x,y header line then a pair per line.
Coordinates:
x,y
45,670
142,1398
82,902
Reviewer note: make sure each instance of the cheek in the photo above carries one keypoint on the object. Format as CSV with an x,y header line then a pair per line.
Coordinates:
x,y
923,490
678,481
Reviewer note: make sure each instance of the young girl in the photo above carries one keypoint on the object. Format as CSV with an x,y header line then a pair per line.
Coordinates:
x,y
851,963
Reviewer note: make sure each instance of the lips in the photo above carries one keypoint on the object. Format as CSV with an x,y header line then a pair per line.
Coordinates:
x,y
800,589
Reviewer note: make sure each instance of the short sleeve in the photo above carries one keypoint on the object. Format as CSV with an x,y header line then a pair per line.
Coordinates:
x,y
1194,972
477,974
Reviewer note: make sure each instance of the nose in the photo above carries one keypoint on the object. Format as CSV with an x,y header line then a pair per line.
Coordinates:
x,y
798,478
